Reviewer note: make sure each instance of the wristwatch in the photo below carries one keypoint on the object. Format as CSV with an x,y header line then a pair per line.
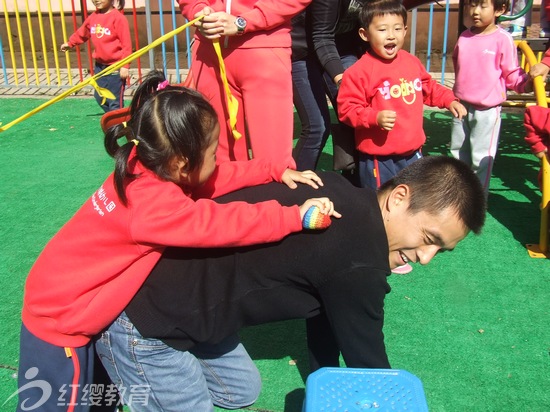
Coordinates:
x,y
240,22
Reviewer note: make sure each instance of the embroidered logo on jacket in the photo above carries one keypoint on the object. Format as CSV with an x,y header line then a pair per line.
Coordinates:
x,y
101,202
100,31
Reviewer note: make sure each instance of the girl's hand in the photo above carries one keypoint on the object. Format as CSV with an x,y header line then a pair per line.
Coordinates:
x,y
124,72
540,155
65,47
323,203
457,109
308,177
539,69
386,119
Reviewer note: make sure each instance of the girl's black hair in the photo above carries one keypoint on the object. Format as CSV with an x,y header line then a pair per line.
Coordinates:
x,y
174,122
120,4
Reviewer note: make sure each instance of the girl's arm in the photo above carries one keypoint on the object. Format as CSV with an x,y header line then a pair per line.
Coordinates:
x,y
537,128
514,77
231,176
82,35
164,215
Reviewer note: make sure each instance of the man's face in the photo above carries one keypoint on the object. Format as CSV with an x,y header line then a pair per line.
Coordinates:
x,y
419,237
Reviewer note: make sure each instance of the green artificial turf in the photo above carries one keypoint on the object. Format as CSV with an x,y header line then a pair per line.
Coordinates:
x,y
472,325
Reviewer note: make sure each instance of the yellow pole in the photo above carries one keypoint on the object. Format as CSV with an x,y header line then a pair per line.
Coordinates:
x,y
31,37
21,43
67,55
540,250
10,42
104,72
545,206
43,40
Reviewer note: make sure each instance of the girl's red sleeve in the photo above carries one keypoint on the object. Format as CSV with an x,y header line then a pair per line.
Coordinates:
x,y
231,176
537,128
82,35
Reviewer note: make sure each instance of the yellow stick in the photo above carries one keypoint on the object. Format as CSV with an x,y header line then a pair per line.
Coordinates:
x,y
232,103
33,48
67,55
43,40
104,72
22,45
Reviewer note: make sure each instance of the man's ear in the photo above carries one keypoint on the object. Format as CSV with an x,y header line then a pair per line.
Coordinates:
x,y
363,34
399,197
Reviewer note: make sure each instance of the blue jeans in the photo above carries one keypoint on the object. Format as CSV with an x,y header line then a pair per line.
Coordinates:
x,y
153,376
374,171
114,84
311,105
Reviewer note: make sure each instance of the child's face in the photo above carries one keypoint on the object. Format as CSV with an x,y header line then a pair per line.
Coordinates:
x,y
204,171
483,14
103,5
386,35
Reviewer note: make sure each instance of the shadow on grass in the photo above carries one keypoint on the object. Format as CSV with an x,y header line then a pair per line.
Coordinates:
x,y
280,340
514,188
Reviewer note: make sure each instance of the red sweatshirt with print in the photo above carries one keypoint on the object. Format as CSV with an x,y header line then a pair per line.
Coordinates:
x,y
94,265
403,85
110,36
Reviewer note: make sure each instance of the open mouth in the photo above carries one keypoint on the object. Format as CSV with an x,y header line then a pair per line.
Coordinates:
x,y
389,48
404,258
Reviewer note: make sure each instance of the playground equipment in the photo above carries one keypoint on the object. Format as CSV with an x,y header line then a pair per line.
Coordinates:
x,y
539,250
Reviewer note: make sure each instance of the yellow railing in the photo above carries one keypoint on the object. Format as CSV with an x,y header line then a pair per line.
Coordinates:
x,y
539,250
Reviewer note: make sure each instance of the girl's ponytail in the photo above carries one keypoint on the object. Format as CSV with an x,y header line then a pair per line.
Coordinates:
x,y
121,154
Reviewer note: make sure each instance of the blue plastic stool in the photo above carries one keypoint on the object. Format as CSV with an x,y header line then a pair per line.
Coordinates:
x,y
349,389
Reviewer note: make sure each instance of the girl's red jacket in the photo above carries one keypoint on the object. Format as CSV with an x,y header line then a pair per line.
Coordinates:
x,y
94,265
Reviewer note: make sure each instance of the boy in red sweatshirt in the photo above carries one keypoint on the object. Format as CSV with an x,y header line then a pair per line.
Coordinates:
x,y
110,35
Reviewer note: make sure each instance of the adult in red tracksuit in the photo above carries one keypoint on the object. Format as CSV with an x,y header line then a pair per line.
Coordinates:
x,y
256,46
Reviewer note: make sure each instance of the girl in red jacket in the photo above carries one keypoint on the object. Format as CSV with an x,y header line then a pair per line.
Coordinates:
x,y
158,196
110,34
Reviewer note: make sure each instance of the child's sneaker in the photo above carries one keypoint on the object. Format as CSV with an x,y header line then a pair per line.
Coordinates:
x,y
517,31
402,270
544,33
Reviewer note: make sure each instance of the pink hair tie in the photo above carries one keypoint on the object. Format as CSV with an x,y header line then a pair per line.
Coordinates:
x,y
162,85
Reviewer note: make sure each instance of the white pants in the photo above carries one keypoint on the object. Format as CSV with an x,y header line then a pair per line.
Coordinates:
x,y
474,140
